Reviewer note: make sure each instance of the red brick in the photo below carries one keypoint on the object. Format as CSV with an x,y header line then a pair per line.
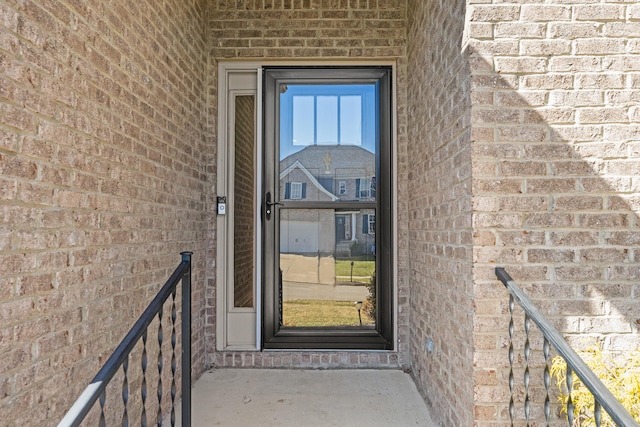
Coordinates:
x,y
574,167
522,134
608,291
608,255
605,220
554,256
624,238
574,238
553,185
35,193
507,186
545,220
570,203
579,273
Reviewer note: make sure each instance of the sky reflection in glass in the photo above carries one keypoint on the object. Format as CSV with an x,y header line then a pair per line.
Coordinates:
x,y
327,115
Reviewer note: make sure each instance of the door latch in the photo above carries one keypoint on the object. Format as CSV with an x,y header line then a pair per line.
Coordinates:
x,y
268,203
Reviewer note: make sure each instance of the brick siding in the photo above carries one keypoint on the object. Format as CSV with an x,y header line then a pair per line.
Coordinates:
x,y
440,235
316,29
519,150
555,175
307,359
102,183
332,30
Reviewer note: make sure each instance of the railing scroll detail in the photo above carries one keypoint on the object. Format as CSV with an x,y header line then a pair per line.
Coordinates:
x,y
575,365
120,357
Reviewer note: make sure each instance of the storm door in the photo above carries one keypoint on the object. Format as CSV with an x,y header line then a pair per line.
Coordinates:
x,y
326,208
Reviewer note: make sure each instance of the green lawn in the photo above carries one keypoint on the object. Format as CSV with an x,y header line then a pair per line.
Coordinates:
x,y
322,313
362,270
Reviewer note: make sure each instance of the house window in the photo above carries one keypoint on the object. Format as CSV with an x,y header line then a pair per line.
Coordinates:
x,y
295,190
366,188
368,224
342,188
334,118
328,114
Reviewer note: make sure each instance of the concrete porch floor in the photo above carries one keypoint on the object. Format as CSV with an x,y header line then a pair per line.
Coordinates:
x,y
308,398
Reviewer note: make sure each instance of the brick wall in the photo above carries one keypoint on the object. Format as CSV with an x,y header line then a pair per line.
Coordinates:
x,y
440,210
332,30
102,164
307,29
107,146
555,148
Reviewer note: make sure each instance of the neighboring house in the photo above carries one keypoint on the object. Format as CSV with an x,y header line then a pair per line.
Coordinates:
x,y
348,175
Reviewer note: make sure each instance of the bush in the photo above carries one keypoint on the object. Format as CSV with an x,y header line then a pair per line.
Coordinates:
x,y
621,375
369,306
357,249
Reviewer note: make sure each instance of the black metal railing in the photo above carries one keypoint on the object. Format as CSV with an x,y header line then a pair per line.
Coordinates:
x,y
96,390
601,395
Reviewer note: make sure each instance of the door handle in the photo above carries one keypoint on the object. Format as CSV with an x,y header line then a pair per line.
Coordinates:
x,y
268,204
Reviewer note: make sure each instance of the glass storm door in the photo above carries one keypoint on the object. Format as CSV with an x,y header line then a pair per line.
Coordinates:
x,y
327,208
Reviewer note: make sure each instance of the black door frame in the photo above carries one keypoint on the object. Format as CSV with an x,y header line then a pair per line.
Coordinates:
x,y
274,334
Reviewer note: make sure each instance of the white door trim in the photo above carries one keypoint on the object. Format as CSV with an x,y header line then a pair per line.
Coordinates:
x,y
236,328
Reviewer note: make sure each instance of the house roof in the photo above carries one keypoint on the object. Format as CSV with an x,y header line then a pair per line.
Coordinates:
x,y
312,179
342,156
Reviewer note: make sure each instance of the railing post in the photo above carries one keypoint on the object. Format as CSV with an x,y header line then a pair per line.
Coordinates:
x,y
575,365
186,342
120,356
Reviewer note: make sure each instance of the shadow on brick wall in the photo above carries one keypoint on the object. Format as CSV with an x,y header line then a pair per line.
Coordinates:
x,y
556,202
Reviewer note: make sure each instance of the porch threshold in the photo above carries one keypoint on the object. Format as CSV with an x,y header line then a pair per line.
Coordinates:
x,y
290,397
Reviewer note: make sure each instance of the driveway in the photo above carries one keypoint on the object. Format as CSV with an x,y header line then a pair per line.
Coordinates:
x,y
314,277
